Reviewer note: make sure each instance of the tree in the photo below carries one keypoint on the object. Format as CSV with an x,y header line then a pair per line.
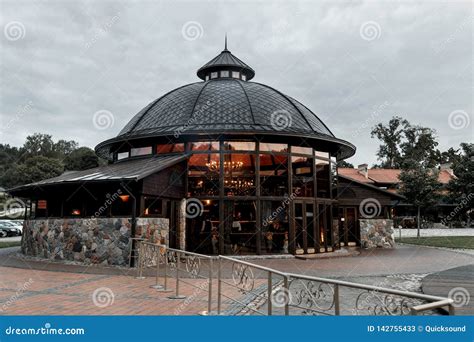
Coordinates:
x,y
391,137
343,163
419,146
38,168
451,156
461,187
38,145
420,186
81,159
63,148
43,145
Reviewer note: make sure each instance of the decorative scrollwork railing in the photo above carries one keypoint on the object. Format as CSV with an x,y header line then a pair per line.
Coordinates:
x,y
266,291
311,297
382,304
243,277
193,265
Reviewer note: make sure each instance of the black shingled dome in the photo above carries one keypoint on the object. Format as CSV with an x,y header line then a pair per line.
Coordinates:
x,y
225,105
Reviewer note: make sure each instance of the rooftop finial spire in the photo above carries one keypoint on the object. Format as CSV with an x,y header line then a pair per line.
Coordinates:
x,y
225,45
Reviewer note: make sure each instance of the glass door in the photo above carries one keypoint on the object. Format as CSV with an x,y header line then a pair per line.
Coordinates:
x,y
305,241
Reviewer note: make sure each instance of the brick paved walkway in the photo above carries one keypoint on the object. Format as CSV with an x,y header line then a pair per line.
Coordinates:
x,y
32,292
42,288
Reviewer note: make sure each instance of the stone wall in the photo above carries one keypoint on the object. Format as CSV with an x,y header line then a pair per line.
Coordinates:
x,y
376,233
103,241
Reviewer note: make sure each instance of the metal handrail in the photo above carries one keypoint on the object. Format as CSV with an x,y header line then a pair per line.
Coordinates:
x,y
368,287
180,254
436,302
243,273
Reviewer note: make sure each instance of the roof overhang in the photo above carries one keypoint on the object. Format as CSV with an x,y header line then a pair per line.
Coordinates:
x,y
129,170
342,148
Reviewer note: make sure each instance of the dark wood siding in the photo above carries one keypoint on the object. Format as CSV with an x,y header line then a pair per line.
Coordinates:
x,y
350,193
167,183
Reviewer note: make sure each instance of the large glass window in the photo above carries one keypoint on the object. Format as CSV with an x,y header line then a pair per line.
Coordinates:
x,y
122,206
334,177
239,146
302,172
322,154
140,151
169,148
273,175
202,231
275,226
122,155
323,185
152,206
302,150
239,174
273,147
240,226
205,146
203,174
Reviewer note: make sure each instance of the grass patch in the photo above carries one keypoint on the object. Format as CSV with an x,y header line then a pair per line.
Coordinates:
x,y
464,242
6,244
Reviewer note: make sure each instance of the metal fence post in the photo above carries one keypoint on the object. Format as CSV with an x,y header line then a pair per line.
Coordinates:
x,y
140,261
177,295
209,304
287,290
165,281
157,276
337,309
270,295
219,285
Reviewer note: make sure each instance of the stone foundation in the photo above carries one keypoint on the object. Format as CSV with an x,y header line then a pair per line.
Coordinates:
x,y
376,233
103,241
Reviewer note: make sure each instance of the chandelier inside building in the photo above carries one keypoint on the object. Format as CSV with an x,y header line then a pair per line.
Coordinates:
x,y
228,166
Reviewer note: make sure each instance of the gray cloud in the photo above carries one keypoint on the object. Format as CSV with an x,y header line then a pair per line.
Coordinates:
x,y
77,58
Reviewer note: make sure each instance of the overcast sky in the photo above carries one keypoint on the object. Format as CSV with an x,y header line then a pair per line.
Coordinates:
x,y
353,63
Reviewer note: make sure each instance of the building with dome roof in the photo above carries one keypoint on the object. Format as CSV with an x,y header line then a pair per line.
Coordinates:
x,y
224,165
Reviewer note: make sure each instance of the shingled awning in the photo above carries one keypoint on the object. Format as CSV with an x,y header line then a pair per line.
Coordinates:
x,y
126,170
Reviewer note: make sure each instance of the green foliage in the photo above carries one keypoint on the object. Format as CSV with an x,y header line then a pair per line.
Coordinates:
x,y
461,188
403,145
463,242
343,163
40,158
38,168
419,147
420,185
81,159
391,136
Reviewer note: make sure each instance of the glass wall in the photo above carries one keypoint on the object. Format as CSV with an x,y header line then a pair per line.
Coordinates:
x,y
226,173
203,174
240,233
303,179
275,226
273,175
239,174
323,185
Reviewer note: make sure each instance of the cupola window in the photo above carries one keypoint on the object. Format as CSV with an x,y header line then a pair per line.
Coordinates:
x,y
140,151
225,73
214,74
122,155
235,74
